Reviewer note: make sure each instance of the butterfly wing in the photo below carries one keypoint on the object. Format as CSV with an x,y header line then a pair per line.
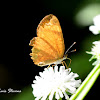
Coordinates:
x,y
48,46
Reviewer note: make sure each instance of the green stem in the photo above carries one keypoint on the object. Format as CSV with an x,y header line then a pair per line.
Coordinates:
x,y
88,80
88,86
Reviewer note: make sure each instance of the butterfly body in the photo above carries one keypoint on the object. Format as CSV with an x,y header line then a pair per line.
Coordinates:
x,y
48,46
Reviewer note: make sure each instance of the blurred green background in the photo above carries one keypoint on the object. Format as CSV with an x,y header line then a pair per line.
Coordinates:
x,y
20,20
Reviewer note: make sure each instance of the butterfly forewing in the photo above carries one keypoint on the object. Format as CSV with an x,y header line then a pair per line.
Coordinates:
x,y
48,46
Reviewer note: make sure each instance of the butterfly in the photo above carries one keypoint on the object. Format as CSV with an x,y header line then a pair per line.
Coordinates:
x,y
48,47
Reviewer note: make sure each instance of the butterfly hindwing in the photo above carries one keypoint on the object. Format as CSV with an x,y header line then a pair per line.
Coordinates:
x,y
41,51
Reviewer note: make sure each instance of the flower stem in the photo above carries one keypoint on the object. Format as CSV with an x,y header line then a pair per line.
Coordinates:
x,y
87,84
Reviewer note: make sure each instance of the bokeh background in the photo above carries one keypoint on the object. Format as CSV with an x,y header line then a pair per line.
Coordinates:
x,y
19,21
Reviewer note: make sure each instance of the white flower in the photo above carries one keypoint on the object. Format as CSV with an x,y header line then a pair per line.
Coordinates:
x,y
96,27
95,51
52,82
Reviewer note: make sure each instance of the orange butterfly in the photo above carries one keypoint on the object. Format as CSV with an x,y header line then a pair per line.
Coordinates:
x,y
48,46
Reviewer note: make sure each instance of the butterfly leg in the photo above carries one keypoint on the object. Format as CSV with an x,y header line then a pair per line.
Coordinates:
x,y
69,62
64,64
48,66
53,66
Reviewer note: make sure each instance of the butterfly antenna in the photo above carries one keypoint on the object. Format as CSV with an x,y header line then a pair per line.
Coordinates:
x,y
72,51
69,48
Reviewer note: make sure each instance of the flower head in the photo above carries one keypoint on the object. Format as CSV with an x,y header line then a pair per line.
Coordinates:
x,y
95,51
96,27
53,82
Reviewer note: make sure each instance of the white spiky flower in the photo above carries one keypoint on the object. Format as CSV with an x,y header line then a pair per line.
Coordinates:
x,y
52,82
96,27
95,51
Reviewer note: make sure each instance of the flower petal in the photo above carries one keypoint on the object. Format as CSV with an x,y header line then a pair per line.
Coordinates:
x,y
60,93
62,69
57,95
66,96
53,81
56,69
51,95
